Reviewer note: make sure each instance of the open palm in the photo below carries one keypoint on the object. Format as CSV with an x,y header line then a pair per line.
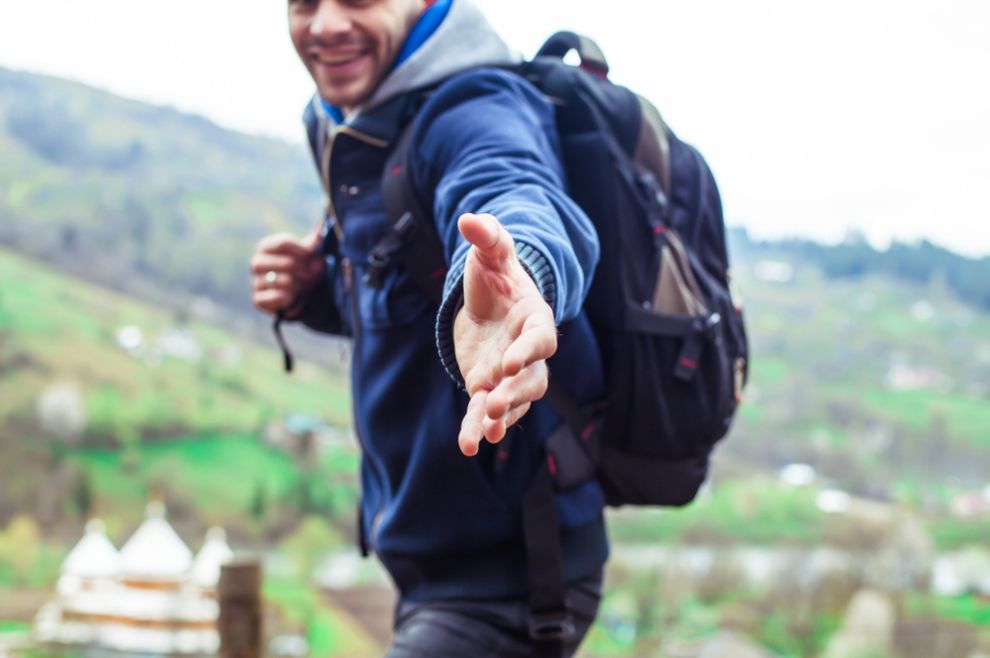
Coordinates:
x,y
502,335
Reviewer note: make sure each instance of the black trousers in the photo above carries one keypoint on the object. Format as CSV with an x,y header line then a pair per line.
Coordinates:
x,y
484,629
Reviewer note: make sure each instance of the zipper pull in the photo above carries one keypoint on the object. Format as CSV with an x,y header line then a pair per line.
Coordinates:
x,y
348,274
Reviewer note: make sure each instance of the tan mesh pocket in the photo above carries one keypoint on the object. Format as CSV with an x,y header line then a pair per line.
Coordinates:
x,y
677,291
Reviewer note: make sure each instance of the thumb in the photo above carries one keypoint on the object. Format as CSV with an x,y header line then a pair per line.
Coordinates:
x,y
312,239
493,244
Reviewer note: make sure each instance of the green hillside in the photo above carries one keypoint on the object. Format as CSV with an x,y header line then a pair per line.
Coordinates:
x,y
838,361
128,193
57,328
116,409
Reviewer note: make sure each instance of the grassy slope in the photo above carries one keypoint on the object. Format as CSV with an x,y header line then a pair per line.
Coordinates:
x,y
824,347
166,424
220,475
329,632
56,328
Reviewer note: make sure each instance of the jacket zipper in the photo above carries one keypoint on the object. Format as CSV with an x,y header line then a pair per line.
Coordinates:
x,y
371,539
368,541
325,169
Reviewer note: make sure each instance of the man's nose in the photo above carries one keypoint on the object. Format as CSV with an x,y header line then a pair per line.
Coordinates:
x,y
331,17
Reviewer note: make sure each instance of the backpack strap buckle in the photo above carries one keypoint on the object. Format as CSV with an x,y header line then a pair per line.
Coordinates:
x,y
386,249
694,344
551,625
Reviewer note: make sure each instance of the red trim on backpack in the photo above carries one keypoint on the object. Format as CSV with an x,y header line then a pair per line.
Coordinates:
x,y
552,464
690,363
593,71
396,170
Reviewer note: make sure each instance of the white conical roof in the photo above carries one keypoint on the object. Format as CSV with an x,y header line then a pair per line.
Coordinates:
x,y
155,550
94,556
214,554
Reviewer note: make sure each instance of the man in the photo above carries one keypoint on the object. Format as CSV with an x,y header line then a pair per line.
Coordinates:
x,y
447,523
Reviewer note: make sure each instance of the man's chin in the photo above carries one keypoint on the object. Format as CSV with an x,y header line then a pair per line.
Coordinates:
x,y
344,96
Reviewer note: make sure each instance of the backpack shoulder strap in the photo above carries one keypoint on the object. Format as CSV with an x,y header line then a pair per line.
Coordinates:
x,y
316,132
412,234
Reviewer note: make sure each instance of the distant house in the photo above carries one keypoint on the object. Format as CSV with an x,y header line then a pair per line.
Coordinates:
x,y
151,597
719,645
959,572
903,377
774,271
303,434
968,505
180,344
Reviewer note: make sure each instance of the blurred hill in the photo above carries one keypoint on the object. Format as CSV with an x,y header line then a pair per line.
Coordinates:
x,y
138,197
881,352
168,205
105,399
917,264
131,364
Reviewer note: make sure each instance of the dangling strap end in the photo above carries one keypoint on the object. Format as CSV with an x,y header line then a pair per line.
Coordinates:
x,y
286,352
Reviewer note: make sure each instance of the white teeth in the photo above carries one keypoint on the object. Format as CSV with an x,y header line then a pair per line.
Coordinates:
x,y
339,59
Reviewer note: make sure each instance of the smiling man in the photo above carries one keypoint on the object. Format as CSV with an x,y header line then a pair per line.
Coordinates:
x,y
446,389
350,48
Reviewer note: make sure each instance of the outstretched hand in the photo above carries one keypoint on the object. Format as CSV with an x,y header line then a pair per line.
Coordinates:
x,y
502,335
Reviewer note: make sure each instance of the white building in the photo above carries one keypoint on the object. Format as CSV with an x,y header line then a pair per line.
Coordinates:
x,y
152,596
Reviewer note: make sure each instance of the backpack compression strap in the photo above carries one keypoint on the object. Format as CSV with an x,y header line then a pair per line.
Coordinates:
x,y
411,236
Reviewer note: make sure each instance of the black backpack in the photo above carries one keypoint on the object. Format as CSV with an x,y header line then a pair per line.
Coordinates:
x,y
671,334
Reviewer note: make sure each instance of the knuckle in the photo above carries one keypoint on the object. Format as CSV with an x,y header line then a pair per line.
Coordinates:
x,y
542,385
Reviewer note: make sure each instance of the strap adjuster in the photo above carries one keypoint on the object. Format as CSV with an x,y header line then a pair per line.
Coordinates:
x,y
557,625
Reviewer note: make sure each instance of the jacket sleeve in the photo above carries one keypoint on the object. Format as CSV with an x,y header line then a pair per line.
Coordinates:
x,y
486,142
317,309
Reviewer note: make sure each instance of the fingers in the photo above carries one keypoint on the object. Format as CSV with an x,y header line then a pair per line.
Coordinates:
x,y
262,263
472,428
523,388
283,267
273,301
536,342
312,239
491,412
284,243
493,243
495,429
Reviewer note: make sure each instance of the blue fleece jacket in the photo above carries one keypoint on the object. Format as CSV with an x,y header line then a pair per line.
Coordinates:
x,y
446,526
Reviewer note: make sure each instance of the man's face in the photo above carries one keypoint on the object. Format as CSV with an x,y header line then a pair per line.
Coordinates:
x,y
349,46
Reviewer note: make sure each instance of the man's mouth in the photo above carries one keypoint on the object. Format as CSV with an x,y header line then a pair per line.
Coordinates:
x,y
337,59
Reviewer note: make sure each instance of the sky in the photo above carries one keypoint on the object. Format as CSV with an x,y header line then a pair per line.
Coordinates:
x,y
818,118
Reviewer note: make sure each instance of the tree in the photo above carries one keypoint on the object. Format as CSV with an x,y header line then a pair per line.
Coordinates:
x,y
259,502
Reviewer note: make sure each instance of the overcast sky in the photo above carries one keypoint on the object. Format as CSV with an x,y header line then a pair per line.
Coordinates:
x,y
817,118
